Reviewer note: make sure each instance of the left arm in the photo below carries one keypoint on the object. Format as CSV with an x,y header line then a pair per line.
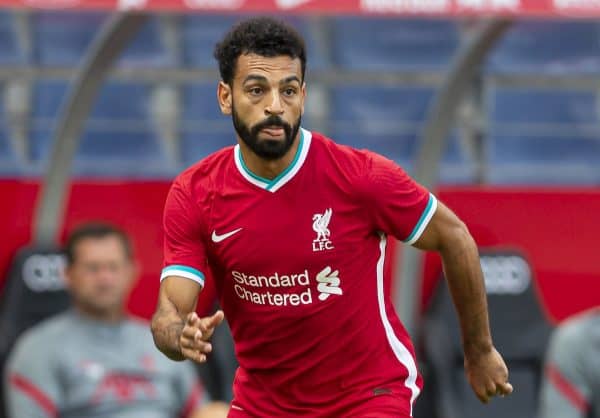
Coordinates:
x,y
484,366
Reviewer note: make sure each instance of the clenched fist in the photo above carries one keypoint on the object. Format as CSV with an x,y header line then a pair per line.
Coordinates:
x,y
487,373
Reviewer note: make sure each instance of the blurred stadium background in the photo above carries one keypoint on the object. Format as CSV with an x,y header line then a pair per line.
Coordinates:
x,y
519,162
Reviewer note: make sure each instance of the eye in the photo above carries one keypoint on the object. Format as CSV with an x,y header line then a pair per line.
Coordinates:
x,y
255,91
289,91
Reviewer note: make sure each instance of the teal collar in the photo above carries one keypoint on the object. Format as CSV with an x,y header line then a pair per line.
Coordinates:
x,y
286,175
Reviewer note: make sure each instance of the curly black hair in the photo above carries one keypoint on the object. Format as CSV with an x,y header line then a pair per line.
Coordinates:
x,y
262,36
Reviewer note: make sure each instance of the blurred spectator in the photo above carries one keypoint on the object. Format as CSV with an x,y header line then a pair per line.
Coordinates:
x,y
571,384
93,360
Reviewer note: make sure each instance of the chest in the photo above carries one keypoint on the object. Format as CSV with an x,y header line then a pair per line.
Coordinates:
x,y
307,225
111,373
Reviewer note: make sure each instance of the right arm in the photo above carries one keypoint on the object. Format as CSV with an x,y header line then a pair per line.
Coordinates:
x,y
176,329
178,332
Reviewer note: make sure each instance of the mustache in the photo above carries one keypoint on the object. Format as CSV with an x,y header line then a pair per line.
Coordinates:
x,y
272,120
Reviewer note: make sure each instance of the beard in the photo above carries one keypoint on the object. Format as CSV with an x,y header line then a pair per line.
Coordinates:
x,y
268,149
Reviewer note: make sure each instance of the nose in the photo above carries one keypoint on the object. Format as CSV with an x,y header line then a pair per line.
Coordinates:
x,y
274,108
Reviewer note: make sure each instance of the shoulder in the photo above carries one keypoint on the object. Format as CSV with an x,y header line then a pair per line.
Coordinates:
x,y
581,326
577,334
359,161
41,340
205,175
346,159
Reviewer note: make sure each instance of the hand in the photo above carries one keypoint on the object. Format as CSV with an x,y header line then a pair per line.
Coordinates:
x,y
487,374
196,333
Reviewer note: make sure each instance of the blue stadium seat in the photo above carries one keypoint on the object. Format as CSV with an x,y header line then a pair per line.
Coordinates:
x,y
389,121
48,96
61,39
119,137
369,105
195,145
147,49
10,53
548,46
390,44
122,101
543,136
384,120
201,33
535,159
570,107
200,103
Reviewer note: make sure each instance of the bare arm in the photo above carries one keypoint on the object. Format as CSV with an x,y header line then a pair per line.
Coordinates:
x,y
177,330
449,236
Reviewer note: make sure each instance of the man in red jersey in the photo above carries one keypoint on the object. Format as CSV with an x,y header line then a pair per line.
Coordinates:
x,y
293,228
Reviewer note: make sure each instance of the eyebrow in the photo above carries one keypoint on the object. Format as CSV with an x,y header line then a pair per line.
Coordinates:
x,y
262,78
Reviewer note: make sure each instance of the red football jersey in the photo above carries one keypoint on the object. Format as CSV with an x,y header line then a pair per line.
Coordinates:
x,y
298,263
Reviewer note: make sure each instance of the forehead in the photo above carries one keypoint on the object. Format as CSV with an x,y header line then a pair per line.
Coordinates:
x,y
273,68
107,247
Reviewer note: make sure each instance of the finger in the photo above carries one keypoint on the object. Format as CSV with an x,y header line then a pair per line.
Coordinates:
x,y
194,356
505,389
190,332
482,396
212,321
192,317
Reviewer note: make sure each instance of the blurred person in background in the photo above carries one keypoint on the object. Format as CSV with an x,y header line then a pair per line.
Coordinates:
x,y
571,382
94,360
293,229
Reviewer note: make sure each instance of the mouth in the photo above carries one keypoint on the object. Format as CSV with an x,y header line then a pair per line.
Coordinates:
x,y
274,131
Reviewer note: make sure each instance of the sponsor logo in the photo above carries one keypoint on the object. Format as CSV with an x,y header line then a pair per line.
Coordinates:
x,y
321,227
285,289
290,4
218,238
489,4
44,272
409,6
329,283
214,4
505,274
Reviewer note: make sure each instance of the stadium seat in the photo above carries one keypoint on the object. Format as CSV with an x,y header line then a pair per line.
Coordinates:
x,y
390,121
61,39
543,136
543,106
200,34
10,52
147,49
393,44
118,139
35,277
520,331
536,159
195,145
560,47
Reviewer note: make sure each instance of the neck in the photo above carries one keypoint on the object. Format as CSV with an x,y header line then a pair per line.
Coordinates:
x,y
107,316
269,169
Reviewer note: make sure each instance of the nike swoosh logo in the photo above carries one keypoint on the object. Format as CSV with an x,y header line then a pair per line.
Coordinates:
x,y
218,238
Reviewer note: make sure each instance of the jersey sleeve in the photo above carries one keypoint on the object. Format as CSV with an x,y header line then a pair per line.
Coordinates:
x,y
184,249
30,381
565,389
397,205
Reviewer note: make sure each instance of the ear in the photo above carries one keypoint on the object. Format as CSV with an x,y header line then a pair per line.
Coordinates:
x,y
225,98
303,96
68,276
134,274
